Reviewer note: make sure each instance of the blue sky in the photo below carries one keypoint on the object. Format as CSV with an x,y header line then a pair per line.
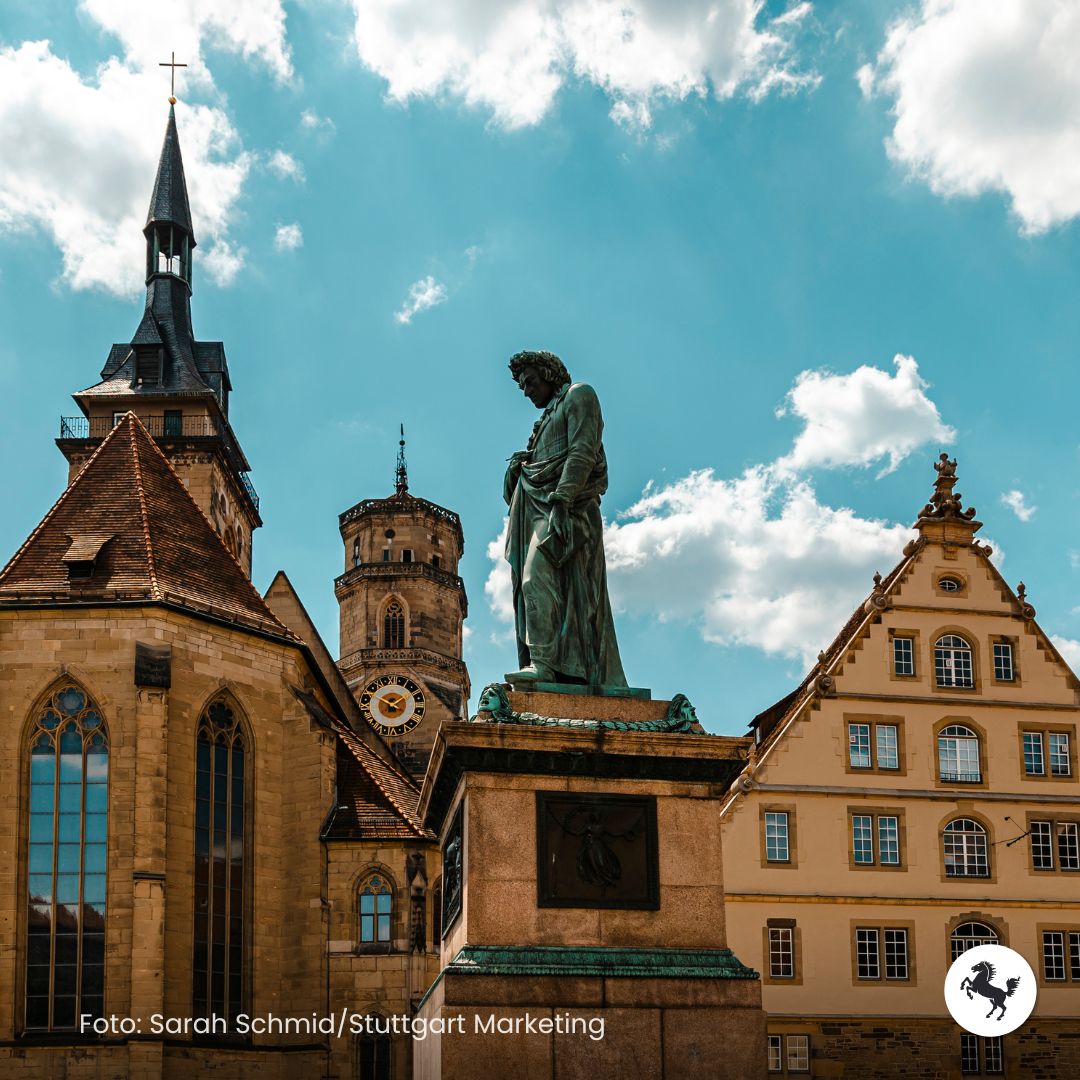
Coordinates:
x,y
730,227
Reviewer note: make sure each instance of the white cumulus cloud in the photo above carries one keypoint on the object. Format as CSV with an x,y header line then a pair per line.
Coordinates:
x,y
288,237
423,294
758,559
253,29
284,165
1069,649
986,97
84,170
1017,502
860,418
512,58
321,126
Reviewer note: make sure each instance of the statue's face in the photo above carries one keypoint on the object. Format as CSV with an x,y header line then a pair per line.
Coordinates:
x,y
535,387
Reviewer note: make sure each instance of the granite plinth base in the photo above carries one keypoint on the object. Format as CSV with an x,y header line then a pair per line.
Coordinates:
x,y
522,1013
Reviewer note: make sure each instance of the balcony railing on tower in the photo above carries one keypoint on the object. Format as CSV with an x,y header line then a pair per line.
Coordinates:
x,y
166,426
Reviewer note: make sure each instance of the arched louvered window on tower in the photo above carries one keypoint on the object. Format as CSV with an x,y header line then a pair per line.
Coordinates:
x,y
221,931
67,836
394,626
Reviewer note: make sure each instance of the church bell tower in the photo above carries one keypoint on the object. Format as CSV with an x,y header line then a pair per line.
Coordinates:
x,y
177,386
402,608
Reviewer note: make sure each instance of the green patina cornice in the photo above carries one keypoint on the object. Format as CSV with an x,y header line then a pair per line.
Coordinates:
x,y
597,961
494,707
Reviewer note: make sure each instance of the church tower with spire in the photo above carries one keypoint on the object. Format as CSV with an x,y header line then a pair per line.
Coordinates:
x,y
178,387
402,607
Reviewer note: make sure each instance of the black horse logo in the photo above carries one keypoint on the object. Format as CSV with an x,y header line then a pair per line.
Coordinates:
x,y
982,984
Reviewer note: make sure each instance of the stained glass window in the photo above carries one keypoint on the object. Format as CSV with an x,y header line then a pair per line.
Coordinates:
x,y
376,903
218,982
69,796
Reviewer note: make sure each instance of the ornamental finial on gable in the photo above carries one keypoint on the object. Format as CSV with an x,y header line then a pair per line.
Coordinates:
x,y
946,504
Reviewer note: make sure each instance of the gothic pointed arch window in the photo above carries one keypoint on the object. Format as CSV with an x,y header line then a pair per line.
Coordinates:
x,y
394,625
376,905
374,1051
67,839
222,781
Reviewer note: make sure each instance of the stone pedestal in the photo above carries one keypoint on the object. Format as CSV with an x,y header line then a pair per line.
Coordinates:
x,y
583,931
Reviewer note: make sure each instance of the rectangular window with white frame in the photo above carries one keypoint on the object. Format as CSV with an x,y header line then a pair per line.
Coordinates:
x,y
798,1053
882,953
867,953
1060,758
875,839
873,745
781,952
1004,670
1042,844
1061,955
788,1054
1034,761
981,1056
777,845
1046,754
903,656
776,1053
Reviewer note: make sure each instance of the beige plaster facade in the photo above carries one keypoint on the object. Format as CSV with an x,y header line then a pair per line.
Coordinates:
x,y
839,793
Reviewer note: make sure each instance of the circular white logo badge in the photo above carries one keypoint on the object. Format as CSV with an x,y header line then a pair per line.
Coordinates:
x,y
990,990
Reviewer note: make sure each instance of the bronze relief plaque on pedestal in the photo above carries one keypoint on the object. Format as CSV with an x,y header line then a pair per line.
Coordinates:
x,y
452,881
597,851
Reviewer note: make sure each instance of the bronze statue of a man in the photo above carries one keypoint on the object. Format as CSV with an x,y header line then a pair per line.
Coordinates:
x,y
555,541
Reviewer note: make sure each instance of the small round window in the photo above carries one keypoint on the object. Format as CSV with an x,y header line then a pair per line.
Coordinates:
x,y
949,584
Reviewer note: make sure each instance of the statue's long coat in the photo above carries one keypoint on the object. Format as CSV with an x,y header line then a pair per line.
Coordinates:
x,y
561,605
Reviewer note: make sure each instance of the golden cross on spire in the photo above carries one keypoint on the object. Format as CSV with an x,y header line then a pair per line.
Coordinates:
x,y
172,77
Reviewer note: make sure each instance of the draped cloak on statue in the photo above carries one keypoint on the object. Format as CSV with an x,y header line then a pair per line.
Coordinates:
x,y
561,606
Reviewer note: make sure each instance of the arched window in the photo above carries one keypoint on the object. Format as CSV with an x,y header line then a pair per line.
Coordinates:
x,y
967,853
953,665
376,906
394,626
218,983
958,755
968,935
69,798
374,1053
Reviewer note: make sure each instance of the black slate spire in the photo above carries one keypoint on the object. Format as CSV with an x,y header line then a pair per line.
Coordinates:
x,y
169,202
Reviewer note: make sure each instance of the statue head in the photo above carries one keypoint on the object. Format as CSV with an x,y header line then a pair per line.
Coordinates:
x,y
540,374
493,700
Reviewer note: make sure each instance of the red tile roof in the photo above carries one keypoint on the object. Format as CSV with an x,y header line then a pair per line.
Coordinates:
x,y
375,800
156,544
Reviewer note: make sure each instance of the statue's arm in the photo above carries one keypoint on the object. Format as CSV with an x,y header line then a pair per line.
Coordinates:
x,y
584,429
513,471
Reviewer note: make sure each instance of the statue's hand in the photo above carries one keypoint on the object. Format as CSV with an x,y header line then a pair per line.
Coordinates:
x,y
557,519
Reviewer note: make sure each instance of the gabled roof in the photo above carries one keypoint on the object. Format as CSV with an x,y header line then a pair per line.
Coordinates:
x,y
162,548
169,202
375,800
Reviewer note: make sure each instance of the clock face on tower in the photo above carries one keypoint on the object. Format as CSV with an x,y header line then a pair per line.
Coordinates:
x,y
393,704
